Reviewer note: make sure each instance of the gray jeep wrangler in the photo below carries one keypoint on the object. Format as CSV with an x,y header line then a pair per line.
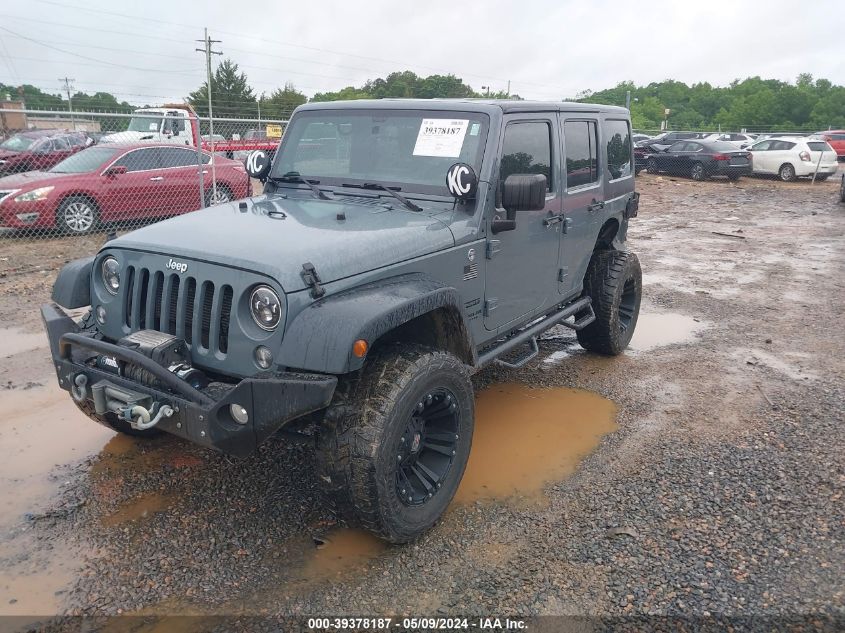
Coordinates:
x,y
398,246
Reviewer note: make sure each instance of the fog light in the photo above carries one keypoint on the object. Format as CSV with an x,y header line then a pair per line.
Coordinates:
x,y
101,315
28,218
239,414
263,357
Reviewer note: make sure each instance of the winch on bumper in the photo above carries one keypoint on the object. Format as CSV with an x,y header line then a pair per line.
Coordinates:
x,y
203,415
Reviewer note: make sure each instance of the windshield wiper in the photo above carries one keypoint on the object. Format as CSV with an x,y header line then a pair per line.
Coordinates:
x,y
392,192
293,176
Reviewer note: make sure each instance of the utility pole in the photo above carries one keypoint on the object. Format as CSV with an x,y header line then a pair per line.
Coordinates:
x,y
260,99
628,100
68,87
509,89
207,42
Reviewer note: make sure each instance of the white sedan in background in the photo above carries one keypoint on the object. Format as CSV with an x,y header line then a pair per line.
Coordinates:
x,y
740,141
790,157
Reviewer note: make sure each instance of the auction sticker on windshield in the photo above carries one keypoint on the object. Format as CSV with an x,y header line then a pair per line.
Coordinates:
x,y
441,137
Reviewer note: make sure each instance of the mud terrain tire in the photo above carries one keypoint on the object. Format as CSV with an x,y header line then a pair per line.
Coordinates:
x,y
111,421
364,430
614,282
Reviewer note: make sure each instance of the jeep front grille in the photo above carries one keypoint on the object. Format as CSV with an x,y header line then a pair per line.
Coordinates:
x,y
194,310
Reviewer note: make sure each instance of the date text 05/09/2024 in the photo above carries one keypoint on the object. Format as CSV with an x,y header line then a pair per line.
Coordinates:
x,y
416,624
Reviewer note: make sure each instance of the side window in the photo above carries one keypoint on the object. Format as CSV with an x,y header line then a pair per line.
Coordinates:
x,y
680,146
176,157
140,160
618,136
527,149
694,147
60,143
762,146
581,143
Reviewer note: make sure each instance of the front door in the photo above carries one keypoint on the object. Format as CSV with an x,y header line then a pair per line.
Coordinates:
x,y
137,193
583,198
521,273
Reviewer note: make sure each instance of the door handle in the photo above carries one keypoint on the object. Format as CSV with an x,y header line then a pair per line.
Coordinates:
x,y
595,206
157,178
552,220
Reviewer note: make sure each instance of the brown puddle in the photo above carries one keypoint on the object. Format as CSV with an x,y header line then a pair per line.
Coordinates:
x,y
33,587
138,508
13,341
655,329
40,429
525,438
341,550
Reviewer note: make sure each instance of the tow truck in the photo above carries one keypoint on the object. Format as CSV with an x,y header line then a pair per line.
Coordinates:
x,y
179,124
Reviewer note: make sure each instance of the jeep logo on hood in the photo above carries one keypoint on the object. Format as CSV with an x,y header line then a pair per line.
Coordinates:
x,y
172,264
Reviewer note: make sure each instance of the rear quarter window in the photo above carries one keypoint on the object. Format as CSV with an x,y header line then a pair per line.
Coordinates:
x,y
618,135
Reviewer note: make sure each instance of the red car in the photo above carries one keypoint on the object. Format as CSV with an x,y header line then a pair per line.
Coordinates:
x,y
112,182
836,139
39,150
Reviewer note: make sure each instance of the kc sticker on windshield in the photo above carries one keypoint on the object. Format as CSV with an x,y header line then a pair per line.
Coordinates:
x,y
441,137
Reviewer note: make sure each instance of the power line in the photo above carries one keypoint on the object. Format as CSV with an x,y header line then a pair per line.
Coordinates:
x,y
253,38
92,59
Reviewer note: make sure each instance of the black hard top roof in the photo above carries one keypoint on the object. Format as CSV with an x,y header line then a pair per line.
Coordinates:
x,y
480,105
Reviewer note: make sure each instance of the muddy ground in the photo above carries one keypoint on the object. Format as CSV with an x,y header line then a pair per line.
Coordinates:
x,y
699,474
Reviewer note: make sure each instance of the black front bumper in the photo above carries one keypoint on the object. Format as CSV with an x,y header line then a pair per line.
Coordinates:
x,y
201,416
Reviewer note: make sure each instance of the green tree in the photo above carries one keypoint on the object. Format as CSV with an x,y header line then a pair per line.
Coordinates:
x,y
282,102
231,95
350,92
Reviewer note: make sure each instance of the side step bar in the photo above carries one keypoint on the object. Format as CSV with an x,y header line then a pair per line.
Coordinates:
x,y
530,333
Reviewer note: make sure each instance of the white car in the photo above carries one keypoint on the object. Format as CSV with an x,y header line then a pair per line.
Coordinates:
x,y
791,157
740,141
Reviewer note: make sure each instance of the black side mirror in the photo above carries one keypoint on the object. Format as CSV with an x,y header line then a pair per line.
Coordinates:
x,y
521,192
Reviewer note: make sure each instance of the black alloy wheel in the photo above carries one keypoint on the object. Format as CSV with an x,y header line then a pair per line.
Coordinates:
x,y
427,448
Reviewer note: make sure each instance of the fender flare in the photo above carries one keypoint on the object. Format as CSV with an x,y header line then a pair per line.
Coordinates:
x,y
72,288
320,337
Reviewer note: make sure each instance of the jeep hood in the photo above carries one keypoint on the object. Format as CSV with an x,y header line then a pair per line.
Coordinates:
x,y
276,236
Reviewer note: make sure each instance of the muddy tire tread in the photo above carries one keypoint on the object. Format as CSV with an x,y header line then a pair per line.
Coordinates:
x,y
605,273
352,427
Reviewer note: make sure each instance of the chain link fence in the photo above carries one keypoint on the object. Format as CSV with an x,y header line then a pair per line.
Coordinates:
x,y
84,173
66,175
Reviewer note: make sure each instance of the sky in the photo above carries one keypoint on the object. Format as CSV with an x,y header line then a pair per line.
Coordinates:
x,y
553,49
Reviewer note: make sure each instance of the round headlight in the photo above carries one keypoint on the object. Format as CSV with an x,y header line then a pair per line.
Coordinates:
x,y
111,275
265,307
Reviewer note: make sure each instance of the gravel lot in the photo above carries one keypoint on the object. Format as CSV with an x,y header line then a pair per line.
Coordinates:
x,y
719,494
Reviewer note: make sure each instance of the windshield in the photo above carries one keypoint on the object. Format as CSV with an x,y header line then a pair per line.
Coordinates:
x,y
87,160
148,123
407,149
17,143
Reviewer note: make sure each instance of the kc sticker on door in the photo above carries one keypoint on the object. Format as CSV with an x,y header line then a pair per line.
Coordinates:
x,y
441,137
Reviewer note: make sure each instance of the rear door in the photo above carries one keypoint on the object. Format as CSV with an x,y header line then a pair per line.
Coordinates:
x,y
521,273
782,152
180,184
583,197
